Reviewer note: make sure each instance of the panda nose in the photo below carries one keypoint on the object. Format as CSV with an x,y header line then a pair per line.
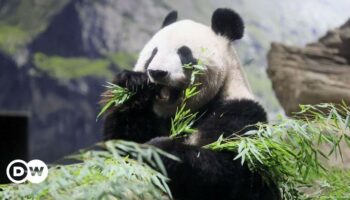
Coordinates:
x,y
157,74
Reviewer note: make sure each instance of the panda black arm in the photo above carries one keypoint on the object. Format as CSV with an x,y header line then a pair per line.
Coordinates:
x,y
134,120
227,117
136,125
205,174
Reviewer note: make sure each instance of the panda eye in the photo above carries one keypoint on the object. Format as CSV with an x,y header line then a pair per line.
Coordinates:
x,y
186,56
154,52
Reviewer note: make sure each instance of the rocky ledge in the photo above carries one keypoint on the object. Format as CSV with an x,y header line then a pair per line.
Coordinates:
x,y
319,72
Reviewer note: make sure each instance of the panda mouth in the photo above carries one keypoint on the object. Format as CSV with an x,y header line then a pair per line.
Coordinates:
x,y
168,94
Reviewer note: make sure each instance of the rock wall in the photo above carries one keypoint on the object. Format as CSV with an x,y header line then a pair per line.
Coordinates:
x,y
317,73
96,28
61,118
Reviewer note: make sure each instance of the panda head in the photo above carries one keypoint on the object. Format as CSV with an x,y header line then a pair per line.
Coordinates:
x,y
184,42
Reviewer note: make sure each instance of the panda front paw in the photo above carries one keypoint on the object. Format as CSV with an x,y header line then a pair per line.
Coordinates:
x,y
133,81
139,83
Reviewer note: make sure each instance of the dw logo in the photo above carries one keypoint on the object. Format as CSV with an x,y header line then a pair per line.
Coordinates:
x,y
35,171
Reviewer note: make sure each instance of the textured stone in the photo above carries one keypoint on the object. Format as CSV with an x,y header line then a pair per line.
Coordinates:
x,y
96,28
318,73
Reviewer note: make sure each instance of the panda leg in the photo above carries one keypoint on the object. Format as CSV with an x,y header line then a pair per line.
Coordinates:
x,y
205,174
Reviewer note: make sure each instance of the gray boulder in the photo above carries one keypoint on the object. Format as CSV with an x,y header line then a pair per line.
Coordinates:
x,y
318,73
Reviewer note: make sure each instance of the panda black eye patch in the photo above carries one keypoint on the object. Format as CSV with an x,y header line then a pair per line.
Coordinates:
x,y
154,52
186,56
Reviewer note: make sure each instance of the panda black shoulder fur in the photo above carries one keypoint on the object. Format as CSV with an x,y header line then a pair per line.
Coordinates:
x,y
225,100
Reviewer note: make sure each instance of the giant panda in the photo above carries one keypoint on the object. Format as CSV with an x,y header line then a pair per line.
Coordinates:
x,y
225,103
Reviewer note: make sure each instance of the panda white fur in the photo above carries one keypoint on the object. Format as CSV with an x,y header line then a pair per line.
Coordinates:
x,y
225,102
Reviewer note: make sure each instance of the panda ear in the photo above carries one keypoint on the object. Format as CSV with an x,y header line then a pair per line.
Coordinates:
x,y
228,23
170,18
